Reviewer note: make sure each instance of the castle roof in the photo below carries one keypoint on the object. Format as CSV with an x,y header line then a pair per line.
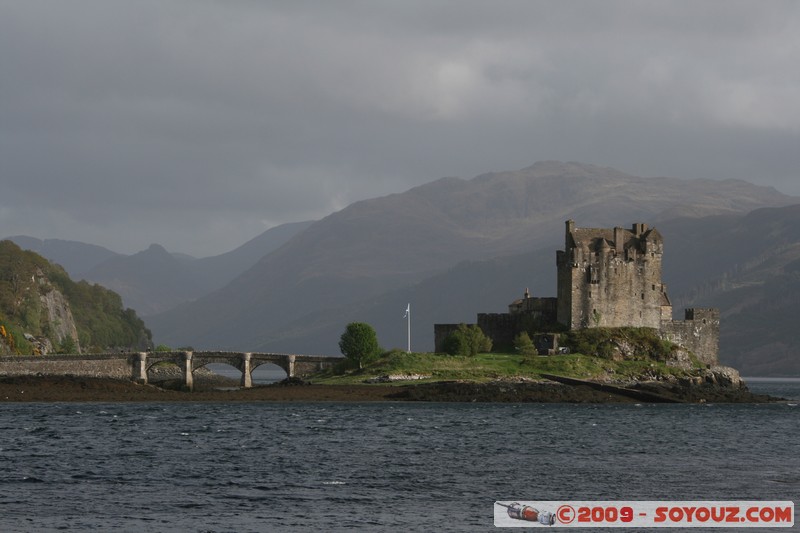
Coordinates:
x,y
665,299
596,239
587,237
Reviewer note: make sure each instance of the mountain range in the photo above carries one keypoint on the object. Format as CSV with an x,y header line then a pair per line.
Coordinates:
x,y
155,280
400,246
455,247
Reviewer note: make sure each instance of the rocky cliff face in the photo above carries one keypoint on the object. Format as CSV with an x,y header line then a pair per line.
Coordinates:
x,y
48,320
57,314
35,314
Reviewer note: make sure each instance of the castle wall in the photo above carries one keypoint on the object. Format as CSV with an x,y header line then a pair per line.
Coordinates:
x,y
564,287
542,310
698,332
500,327
620,293
604,286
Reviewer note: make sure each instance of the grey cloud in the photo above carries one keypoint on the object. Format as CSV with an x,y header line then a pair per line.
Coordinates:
x,y
199,124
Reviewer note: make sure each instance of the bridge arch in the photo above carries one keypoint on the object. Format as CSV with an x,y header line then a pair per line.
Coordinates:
x,y
149,360
268,370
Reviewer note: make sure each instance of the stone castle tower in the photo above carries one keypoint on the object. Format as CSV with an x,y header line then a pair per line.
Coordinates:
x,y
611,278
606,278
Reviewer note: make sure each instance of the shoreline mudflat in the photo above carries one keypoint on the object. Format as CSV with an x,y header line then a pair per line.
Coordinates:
x,y
81,389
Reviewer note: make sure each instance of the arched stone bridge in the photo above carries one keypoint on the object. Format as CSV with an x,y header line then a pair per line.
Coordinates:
x,y
136,365
246,362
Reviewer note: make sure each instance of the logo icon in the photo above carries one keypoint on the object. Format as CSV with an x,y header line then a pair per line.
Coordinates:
x,y
518,511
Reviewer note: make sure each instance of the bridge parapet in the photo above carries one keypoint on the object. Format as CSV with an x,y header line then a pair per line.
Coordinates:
x,y
108,365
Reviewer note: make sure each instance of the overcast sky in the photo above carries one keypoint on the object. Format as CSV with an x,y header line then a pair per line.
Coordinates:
x,y
200,124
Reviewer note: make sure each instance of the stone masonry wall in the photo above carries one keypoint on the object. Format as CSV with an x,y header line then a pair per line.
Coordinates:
x,y
611,291
699,333
114,368
610,278
501,328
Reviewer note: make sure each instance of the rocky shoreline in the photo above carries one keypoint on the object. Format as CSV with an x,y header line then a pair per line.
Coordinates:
x,y
552,392
213,388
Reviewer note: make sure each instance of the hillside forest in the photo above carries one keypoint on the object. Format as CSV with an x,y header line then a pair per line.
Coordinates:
x,y
42,310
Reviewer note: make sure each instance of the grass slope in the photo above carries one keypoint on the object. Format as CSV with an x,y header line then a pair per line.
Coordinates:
x,y
493,366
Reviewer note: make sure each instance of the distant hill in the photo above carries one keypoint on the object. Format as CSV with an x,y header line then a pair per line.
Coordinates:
x,y
751,271
453,296
217,271
76,257
150,281
372,250
155,280
43,310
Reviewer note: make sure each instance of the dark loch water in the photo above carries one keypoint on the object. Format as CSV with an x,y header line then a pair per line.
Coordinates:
x,y
376,467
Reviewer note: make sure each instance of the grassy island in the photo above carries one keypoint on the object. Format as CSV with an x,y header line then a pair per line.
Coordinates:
x,y
493,366
602,354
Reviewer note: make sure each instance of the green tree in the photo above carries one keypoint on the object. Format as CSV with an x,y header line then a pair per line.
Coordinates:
x,y
467,340
67,346
524,345
359,343
455,344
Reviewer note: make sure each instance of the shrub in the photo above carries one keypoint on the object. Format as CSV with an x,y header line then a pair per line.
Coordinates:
x,y
607,343
524,345
67,346
467,340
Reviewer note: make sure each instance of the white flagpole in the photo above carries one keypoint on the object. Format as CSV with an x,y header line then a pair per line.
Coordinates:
x,y
408,316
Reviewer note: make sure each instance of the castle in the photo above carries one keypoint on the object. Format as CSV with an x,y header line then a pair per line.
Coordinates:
x,y
606,278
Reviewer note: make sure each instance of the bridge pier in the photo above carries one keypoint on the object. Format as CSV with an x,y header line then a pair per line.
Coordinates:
x,y
188,376
290,360
247,378
140,368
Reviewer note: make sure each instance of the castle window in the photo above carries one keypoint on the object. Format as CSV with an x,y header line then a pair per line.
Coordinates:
x,y
592,274
654,286
642,296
